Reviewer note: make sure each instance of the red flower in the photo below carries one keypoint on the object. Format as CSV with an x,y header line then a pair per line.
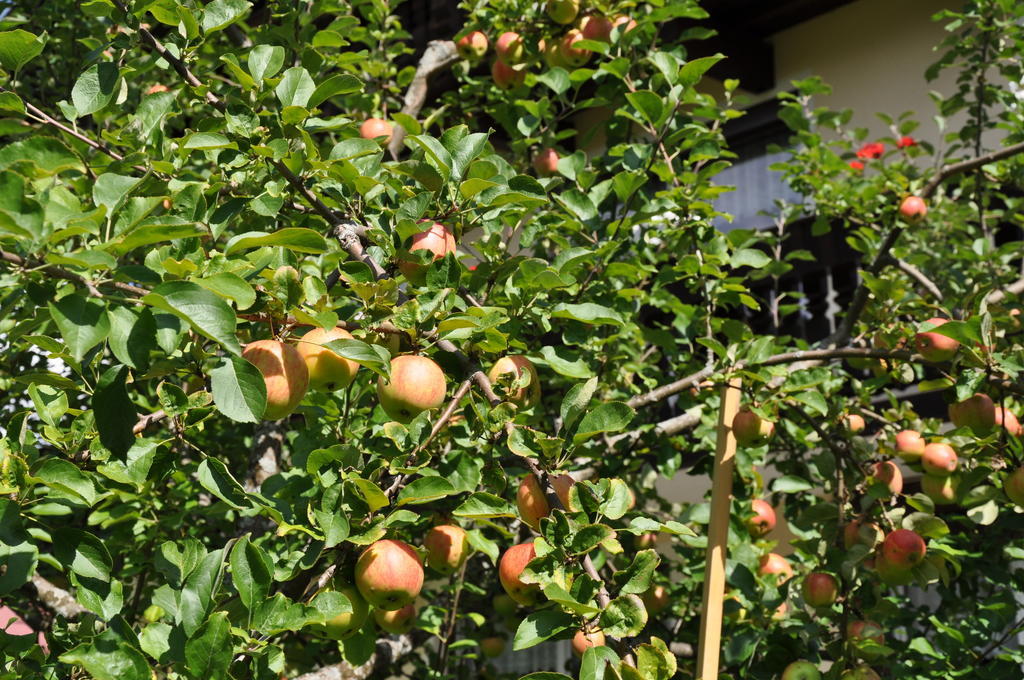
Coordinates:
x,y
905,142
857,165
871,150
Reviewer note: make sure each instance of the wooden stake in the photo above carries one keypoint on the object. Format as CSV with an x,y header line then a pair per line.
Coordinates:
x,y
718,534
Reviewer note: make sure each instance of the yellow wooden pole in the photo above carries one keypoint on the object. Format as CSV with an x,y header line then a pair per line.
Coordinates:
x,y
710,645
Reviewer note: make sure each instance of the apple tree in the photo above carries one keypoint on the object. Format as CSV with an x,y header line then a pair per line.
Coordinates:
x,y
316,370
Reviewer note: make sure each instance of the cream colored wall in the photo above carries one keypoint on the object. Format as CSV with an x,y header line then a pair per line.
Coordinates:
x,y
874,54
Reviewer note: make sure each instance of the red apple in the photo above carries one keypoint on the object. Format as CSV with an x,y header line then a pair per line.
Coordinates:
x,y
492,646
977,412
903,548
942,490
562,11
417,384
509,48
859,532
389,574
326,368
374,128
396,622
583,641
623,20
854,422
861,672
647,541
447,548
939,459
437,240
596,27
345,625
820,589
750,428
516,366
472,46
545,163
893,574
763,520
801,670
913,209
573,56
773,563
511,567
888,473
1014,486
533,504
933,346
507,77
910,445
656,599
1007,420
284,373
552,54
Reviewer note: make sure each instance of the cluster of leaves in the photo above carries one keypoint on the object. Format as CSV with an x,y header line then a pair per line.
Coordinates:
x,y
176,193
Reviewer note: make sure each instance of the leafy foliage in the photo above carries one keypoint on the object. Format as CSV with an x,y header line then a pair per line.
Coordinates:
x,y
180,180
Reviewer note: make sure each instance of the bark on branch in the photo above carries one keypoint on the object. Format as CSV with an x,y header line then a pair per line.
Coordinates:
x,y
439,55
59,600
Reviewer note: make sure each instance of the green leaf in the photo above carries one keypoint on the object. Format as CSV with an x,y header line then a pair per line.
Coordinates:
x,y
11,102
576,401
19,47
265,61
213,475
295,88
83,323
132,335
813,399
48,155
636,578
204,310
239,391
791,484
111,190
749,257
596,660
18,552
648,104
692,71
231,286
540,626
343,83
208,140
297,239
625,616
484,506
587,538
82,553
587,312
114,412
68,478
556,78
425,490
108,657
208,652
221,13
374,357
610,417
251,571
156,230
94,89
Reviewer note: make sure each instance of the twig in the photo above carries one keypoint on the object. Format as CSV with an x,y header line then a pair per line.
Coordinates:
x,y
997,296
56,272
445,416
439,55
919,276
453,615
147,420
